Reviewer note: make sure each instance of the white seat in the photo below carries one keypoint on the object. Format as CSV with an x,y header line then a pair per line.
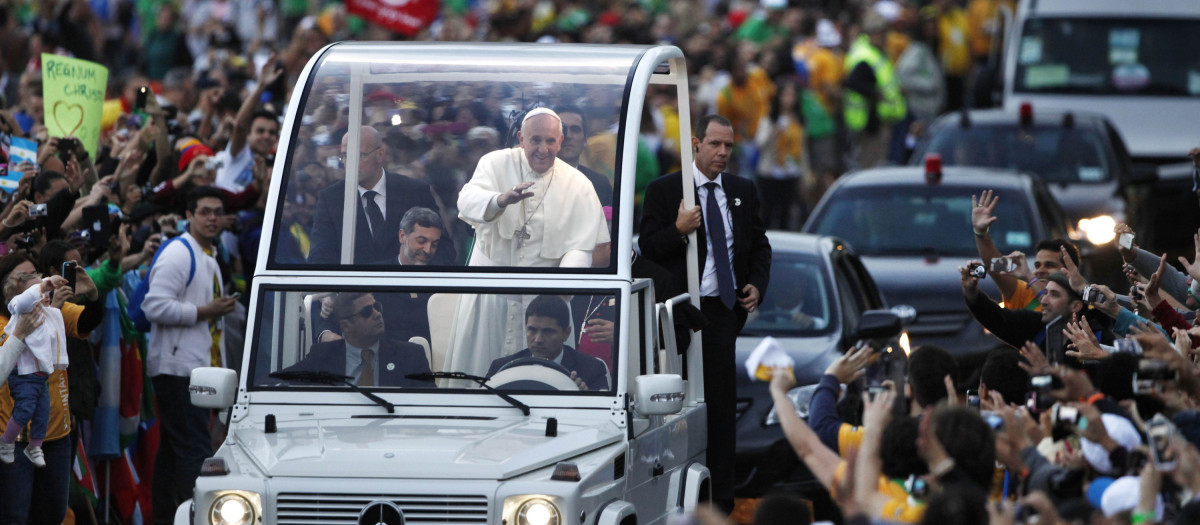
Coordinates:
x,y
423,343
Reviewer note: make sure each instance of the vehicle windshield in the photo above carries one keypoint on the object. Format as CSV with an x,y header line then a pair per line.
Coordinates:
x,y
1109,56
921,221
800,303
455,164
389,340
1055,153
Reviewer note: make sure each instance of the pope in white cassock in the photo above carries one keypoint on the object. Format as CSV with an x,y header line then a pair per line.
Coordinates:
x,y
528,208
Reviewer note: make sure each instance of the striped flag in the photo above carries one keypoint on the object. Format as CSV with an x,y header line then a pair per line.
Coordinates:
x,y
106,437
83,481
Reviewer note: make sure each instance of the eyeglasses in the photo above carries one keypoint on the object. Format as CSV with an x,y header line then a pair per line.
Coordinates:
x,y
367,311
361,155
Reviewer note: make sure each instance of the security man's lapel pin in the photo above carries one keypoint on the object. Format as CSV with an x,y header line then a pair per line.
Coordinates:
x,y
737,201
391,366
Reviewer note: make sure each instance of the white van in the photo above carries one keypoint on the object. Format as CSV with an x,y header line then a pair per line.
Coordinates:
x,y
432,444
1133,62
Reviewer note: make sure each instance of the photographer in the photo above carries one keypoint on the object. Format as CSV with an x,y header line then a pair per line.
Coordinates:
x,y
198,167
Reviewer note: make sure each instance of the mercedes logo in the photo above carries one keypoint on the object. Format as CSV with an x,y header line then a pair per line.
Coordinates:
x,y
381,513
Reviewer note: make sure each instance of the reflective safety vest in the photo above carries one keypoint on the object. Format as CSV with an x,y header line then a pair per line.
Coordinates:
x,y
891,102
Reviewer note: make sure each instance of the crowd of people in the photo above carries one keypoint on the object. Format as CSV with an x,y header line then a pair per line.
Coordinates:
x,y
163,224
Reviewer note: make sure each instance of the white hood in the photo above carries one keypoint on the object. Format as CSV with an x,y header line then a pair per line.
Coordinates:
x,y
436,448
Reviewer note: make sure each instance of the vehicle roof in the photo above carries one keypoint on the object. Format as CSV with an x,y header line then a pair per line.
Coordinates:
x,y
957,176
1115,8
999,117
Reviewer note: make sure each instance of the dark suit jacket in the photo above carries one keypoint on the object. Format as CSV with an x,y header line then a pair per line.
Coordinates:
x,y
1015,327
402,193
591,370
661,243
604,189
395,360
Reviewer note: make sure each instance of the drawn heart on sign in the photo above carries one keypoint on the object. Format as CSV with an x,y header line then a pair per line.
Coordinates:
x,y
65,118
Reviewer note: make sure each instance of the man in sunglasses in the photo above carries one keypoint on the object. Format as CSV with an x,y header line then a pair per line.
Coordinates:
x,y
381,200
363,353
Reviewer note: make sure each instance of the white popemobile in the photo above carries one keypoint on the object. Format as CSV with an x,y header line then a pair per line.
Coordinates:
x,y
424,435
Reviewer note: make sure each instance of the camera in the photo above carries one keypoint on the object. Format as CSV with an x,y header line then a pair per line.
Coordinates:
x,y
1093,295
1040,387
993,420
878,372
213,164
1065,415
977,270
973,399
1003,265
139,102
1125,241
69,146
38,210
1160,429
1128,346
1149,373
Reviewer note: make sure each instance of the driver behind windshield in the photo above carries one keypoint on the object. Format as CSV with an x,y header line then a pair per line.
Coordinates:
x,y
363,353
547,326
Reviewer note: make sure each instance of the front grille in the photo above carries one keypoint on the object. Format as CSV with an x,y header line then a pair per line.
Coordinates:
x,y
296,509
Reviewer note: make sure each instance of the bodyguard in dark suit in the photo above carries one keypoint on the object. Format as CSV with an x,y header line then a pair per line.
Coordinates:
x,y
363,353
734,260
383,198
547,327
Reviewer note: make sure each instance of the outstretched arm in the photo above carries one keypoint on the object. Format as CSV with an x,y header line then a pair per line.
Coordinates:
x,y
821,461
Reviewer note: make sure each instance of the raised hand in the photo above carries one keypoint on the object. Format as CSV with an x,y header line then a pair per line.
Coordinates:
x,y
981,211
851,365
1083,341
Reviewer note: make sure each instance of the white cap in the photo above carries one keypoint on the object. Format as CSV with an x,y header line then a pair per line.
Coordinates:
x,y
539,111
1122,431
1124,494
827,34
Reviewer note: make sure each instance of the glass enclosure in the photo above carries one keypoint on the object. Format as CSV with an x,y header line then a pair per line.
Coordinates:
x,y
523,340
1109,56
443,167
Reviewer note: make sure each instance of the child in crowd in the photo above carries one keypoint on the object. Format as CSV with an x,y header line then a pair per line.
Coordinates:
x,y
45,351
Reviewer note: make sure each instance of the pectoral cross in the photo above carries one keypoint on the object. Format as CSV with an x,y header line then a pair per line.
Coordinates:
x,y
522,235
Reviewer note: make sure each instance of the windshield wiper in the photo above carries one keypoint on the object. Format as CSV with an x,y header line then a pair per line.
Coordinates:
x,y
482,381
328,378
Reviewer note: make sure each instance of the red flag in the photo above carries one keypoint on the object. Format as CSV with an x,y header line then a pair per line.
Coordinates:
x,y
406,17
83,480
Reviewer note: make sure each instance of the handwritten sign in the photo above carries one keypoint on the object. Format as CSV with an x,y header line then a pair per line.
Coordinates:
x,y
73,95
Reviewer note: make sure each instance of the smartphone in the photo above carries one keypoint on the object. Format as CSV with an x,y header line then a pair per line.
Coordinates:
x,y
1125,241
68,272
878,372
993,420
1003,265
973,399
1160,429
1065,415
1149,373
140,102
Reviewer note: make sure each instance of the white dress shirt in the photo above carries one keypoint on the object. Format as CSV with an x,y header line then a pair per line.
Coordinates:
x,y
708,276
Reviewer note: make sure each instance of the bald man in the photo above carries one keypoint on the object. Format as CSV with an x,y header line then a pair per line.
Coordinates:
x,y
528,207
382,200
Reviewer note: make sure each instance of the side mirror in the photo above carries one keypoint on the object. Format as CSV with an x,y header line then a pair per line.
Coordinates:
x,y
658,394
213,387
878,324
1143,173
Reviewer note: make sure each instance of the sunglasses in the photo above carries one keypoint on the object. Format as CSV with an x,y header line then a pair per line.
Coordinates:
x,y
367,311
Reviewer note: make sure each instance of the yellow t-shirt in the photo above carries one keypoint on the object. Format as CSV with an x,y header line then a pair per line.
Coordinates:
x,y
1024,298
849,438
824,71
952,42
900,508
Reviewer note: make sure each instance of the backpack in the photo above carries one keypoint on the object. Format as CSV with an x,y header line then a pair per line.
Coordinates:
x,y
139,293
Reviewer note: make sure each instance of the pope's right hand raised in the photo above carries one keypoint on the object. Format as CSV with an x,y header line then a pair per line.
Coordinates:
x,y
515,195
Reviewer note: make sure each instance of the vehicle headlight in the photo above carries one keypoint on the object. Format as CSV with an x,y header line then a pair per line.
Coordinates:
x,y
233,508
538,512
800,398
1099,230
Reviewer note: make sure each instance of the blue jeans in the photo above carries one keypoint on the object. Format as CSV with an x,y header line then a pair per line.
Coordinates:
x,y
36,495
184,445
31,402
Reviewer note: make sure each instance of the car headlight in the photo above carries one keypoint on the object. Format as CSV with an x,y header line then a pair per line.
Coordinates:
x,y
800,398
538,512
233,508
1099,230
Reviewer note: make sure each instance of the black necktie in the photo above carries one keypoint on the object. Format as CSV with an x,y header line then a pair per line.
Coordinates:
x,y
716,233
375,215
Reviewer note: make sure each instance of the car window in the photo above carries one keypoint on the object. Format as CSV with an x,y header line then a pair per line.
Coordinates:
x,y
801,302
1057,154
412,331
1108,56
921,220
